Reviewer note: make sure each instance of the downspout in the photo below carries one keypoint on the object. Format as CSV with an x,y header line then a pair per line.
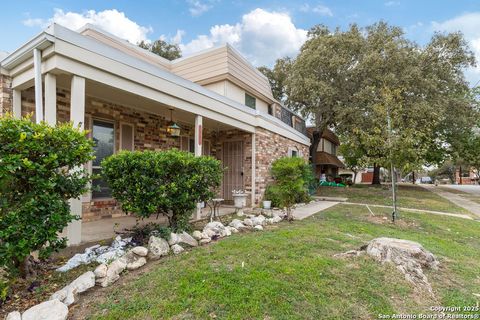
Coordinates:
x,y
37,66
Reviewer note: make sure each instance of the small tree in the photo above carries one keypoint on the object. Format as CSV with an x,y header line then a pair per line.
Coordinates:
x,y
292,177
168,183
38,174
162,48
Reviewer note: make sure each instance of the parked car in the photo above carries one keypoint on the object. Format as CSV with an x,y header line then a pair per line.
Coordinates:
x,y
426,180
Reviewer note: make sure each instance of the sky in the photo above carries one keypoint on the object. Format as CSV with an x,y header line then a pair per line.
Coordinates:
x,y
262,30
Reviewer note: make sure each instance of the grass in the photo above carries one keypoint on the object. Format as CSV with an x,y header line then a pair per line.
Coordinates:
x,y
409,196
289,272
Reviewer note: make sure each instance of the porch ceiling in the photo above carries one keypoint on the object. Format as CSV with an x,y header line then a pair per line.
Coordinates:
x,y
127,99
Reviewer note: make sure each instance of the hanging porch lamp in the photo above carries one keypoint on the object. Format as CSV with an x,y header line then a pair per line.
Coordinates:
x,y
173,129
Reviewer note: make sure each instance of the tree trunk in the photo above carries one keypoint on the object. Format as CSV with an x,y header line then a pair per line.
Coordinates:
x,y
376,174
314,146
354,177
460,174
413,177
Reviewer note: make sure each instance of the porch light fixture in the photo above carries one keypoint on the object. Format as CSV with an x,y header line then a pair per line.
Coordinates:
x,y
173,129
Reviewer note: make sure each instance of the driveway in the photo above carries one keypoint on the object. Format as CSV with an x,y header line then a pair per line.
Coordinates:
x,y
473,189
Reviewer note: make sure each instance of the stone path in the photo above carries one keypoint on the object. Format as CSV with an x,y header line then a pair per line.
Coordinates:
x,y
305,211
457,199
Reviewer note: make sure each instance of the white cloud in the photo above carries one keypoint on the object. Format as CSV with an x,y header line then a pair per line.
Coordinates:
x,y
197,7
319,9
262,36
469,25
112,21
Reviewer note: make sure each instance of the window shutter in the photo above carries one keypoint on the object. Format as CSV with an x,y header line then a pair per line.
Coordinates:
x,y
127,137
206,147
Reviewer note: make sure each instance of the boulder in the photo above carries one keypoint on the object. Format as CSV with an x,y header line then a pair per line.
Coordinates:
x,y
248,222
140,251
258,220
176,248
269,221
197,235
157,247
174,238
232,229
205,241
187,239
208,234
109,256
113,272
258,227
67,295
15,315
214,228
48,310
101,271
133,261
276,218
237,224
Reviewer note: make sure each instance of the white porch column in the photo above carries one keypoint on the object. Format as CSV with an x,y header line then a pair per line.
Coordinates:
x,y
198,135
254,169
17,103
77,116
51,99
37,66
198,153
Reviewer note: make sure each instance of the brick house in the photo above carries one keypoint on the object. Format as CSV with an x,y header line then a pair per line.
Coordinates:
x,y
327,162
128,98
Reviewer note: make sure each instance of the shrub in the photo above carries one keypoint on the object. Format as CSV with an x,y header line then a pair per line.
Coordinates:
x,y
170,183
292,177
38,174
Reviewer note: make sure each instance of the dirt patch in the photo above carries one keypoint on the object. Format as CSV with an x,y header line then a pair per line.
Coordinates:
x,y
402,223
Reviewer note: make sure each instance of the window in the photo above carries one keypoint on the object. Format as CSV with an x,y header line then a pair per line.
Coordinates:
x,y
250,101
206,147
294,153
104,139
187,144
270,109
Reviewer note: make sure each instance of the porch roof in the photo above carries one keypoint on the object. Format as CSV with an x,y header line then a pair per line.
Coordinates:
x,y
67,51
324,158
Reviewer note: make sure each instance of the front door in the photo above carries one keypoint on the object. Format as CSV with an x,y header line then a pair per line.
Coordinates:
x,y
233,165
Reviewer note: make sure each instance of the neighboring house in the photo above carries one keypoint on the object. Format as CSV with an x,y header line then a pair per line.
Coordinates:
x,y
327,161
466,176
127,97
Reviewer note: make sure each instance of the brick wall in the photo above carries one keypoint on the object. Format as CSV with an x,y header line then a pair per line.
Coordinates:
x,y
5,94
269,147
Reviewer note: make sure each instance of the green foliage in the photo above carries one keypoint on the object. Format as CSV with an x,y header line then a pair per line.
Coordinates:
x,y
162,48
292,177
277,77
169,183
38,174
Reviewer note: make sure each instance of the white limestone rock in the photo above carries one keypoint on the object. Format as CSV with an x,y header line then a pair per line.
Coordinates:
x,y
101,271
209,233
187,239
248,222
140,251
177,249
258,227
205,241
276,218
237,224
197,235
140,262
232,229
214,228
113,272
157,247
15,315
174,239
68,294
48,310
258,220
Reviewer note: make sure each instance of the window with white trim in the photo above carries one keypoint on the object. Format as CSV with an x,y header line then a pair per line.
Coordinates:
x,y
103,135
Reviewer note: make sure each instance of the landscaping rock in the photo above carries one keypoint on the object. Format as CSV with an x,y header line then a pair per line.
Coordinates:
x,y
248,222
177,249
15,315
197,235
174,239
258,227
110,256
157,247
237,224
101,271
215,227
208,234
48,310
187,239
269,221
232,229
276,218
140,251
67,295
205,241
133,261
258,220
113,272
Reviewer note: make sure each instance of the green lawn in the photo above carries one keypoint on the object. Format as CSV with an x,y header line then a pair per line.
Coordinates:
x,y
409,196
289,272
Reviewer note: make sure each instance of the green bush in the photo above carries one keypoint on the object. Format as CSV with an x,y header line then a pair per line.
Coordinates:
x,y
169,183
292,177
38,174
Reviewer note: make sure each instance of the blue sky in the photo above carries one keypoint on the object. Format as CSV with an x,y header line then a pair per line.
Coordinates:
x,y
261,30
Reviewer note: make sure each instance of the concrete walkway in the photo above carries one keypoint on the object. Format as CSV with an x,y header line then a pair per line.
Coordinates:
x,y
306,211
457,199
